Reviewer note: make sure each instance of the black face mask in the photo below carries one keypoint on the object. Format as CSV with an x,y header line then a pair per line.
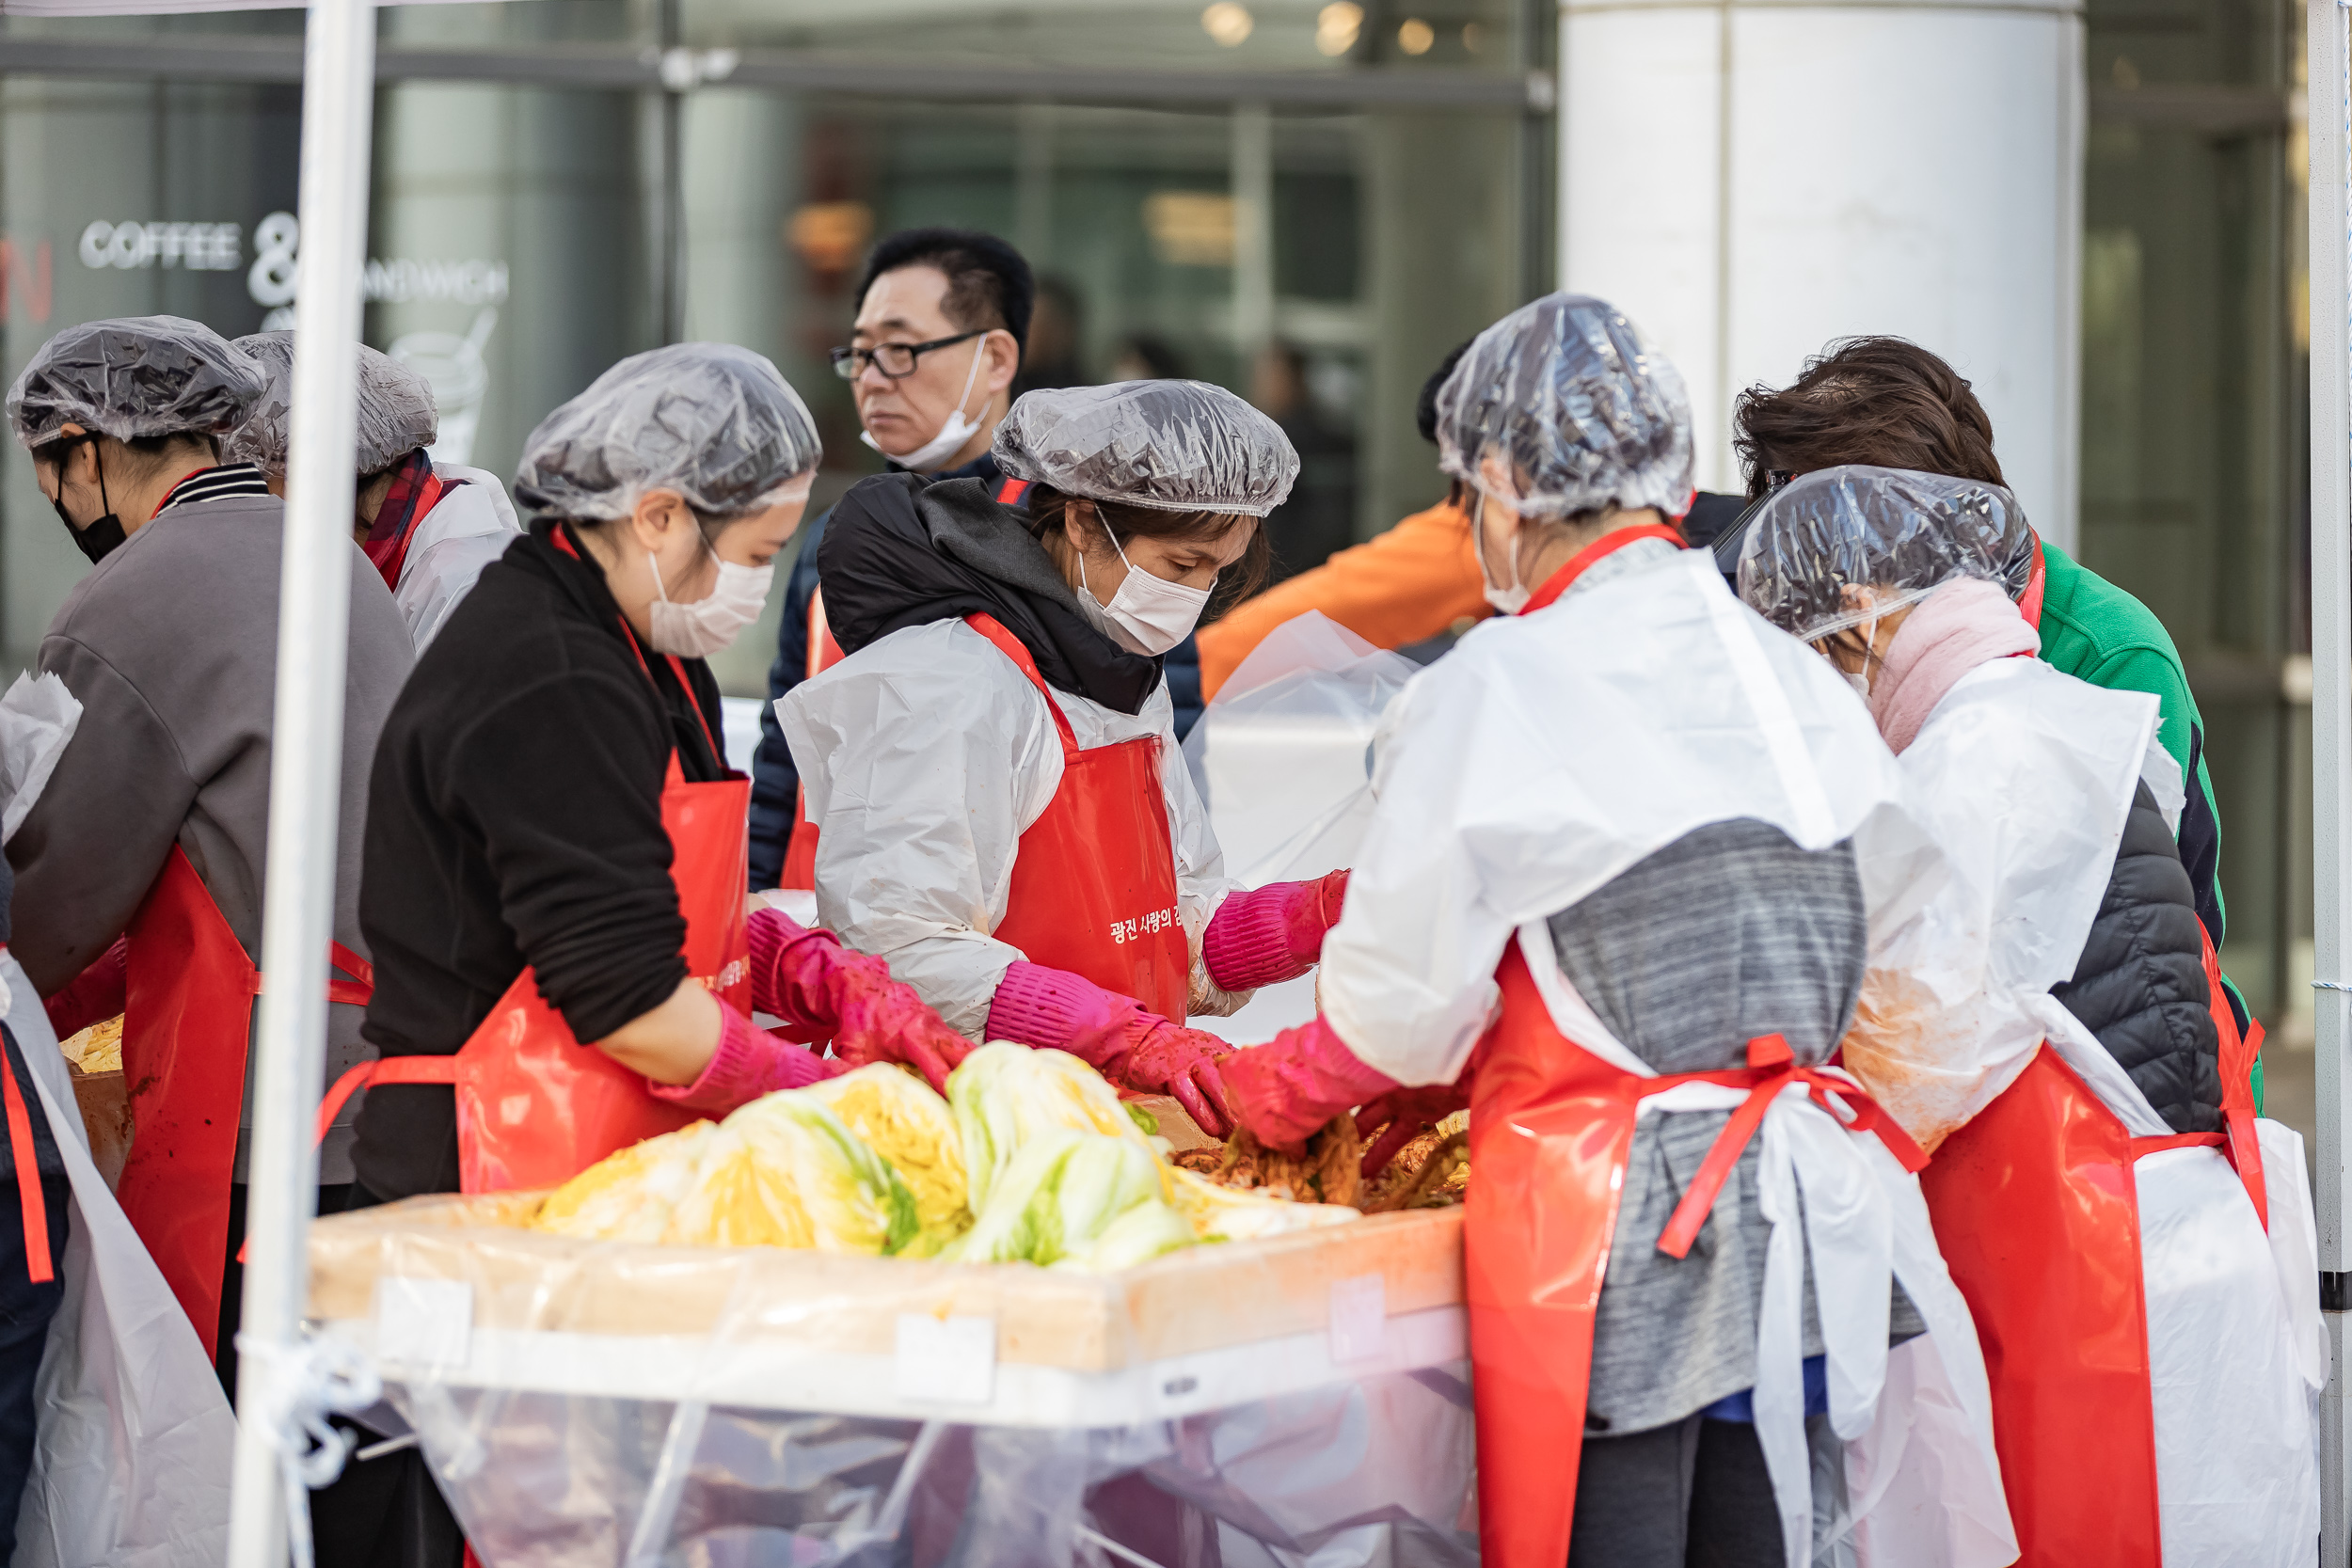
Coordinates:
x,y
99,538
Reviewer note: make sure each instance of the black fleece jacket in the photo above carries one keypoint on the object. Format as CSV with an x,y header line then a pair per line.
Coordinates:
x,y
898,553
514,817
2140,983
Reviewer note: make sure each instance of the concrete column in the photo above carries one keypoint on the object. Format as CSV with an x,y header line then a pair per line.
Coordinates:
x,y
1751,179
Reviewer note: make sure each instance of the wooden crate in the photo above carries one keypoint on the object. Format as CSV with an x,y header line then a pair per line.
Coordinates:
x,y
1200,1299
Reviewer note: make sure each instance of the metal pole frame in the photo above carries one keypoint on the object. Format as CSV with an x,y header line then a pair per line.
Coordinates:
x,y
2331,726
306,752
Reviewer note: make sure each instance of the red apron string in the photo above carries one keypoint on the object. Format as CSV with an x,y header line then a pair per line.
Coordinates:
x,y
2037,579
389,1069
28,1193
1771,1067
2162,1141
356,993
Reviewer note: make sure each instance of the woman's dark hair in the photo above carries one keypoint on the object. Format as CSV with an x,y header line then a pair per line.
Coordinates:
x,y
1048,510
1878,400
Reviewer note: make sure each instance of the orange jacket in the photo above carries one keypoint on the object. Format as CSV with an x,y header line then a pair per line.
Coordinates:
x,y
1407,585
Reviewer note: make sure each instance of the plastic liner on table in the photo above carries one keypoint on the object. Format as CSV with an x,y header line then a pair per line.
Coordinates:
x,y
1303,1400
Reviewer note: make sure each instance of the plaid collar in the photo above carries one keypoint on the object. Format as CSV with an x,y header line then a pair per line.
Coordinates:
x,y
414,491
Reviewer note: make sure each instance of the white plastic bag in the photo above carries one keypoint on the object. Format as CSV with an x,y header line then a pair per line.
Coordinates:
x,y
131,1469
38,718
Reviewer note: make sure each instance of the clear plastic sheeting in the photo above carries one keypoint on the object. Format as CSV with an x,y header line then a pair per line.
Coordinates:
x,y
1301,1399
396,414
716,423
1371,1472
1563,407
1282,754
131,376
1172,446
1840,547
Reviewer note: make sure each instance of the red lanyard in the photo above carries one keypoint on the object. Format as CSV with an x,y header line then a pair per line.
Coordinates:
x,y
1590,556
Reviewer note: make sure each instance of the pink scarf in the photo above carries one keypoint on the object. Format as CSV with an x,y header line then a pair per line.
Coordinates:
x,y
1962,625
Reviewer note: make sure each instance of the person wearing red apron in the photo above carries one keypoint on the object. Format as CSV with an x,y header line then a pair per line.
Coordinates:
x,y
554,860
139,869
2084,1060
1614,895
1002,812
428,527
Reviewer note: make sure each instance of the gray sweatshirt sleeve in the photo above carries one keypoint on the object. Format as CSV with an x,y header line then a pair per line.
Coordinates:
x,y
98,837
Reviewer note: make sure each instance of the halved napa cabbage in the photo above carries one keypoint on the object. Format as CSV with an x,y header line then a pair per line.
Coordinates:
x,y
1236,1214
783,1171
1063,1198
1142,1233
904,1121
628,1197
1005,1095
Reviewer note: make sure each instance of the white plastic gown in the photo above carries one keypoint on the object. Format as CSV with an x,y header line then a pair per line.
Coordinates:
x,y
925,757
470,528
1551,753
2024,777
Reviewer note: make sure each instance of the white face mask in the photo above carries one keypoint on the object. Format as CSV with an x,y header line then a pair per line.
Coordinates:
x,y
701,628
952,435
1509,600
1149,615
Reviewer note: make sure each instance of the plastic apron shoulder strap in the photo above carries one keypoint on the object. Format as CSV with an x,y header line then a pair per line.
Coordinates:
x,y
2238,1052
1009,645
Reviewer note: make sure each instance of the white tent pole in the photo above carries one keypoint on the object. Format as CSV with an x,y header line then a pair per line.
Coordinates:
x,y
2332,724
306,755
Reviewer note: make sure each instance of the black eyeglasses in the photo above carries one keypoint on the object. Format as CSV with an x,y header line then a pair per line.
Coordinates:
x,y
894,360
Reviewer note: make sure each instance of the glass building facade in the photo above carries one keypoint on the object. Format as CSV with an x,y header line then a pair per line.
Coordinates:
x,y
1308,202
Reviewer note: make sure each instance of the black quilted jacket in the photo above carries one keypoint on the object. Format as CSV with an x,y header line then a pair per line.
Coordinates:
x,y
2140,983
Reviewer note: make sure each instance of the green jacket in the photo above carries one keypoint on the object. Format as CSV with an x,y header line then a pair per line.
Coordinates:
x,y
2097,632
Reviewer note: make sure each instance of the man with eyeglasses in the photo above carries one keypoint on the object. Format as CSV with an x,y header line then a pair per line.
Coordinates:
x,y
943,322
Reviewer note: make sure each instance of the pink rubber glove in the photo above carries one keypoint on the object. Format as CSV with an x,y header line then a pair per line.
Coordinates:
x,y
821,989
1271,933
94,995
1134,1048
1285,1091
749,1062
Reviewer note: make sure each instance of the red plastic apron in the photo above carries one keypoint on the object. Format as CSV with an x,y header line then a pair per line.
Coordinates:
x,y
187,1020
1551,1127
536,1107
800,851
1094,879
2037,1211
